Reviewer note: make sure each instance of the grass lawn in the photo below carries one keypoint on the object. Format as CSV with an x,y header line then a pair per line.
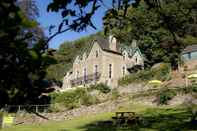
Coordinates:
x,y
72,125
152,119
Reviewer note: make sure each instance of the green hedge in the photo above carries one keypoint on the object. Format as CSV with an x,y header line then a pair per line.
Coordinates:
x,y
88,100
165,95
161,73
72,99
114,94
189,89
100,87
1,119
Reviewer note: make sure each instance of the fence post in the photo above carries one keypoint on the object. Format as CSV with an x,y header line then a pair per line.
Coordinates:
x,y
19,108
1,120
37,108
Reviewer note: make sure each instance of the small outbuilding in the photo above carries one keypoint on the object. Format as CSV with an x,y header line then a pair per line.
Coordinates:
x,y
189,56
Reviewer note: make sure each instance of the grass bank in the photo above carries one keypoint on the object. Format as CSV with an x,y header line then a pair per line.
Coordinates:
x,y
151,119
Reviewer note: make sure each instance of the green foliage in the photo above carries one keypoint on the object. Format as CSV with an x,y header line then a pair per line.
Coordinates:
x,y
1,114
72,99
190,39
1,119
70,10
144,75
57,71
57,107
151,118
194,88
114,94
192,109
160,31
89,99
161,73
24,64
101,87
190,89
68,99
165,95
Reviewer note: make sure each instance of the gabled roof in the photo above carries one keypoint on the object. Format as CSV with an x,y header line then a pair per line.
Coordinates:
x,y
190,48
104,44
137,49
132,50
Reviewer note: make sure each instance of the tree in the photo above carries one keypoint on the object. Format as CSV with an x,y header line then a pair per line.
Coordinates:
x,y
29,8
22,78
162,29
31,12
77,14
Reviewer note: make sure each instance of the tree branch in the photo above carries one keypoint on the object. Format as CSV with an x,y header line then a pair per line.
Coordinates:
x,y
57,33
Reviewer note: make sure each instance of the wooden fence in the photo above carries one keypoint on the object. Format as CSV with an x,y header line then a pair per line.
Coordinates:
x,y
28,108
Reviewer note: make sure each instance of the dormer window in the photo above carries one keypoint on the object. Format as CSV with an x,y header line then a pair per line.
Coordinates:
x,y
96,53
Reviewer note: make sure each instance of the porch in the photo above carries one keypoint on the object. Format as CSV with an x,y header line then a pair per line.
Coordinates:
x,y
85,79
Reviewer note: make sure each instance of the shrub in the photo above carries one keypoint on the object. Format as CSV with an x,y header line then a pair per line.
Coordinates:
x,y
143,75
70,99
189,89
161,73
114,94
56,107
186,90
1,114
194,88
1,119
101,87
88,100
165,95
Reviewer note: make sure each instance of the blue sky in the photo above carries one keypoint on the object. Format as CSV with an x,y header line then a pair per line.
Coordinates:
x,y
46,19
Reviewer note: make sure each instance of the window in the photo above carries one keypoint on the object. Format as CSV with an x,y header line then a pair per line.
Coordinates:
x,y
96,54
136,59
96,71
123,70
84,74
189,55
110,71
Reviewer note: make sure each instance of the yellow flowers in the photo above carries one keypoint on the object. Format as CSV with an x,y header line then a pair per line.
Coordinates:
x,y
192,76
155,82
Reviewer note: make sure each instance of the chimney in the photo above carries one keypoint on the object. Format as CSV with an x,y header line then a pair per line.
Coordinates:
x,y
134,44
112,43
